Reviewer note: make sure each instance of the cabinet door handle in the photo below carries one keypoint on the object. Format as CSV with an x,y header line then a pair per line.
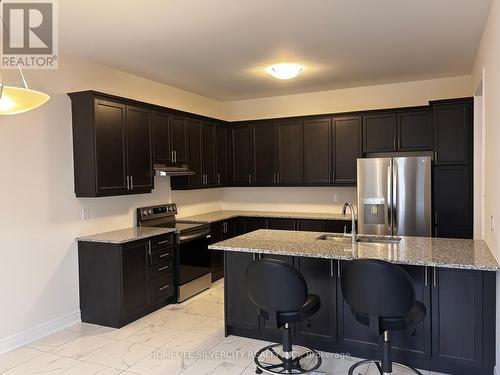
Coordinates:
x,y
131,182
426,281
434,277
278,177
339,271
218,178
163,287
436,217
128,183
162,242
172,155
435,156
149,248
164,255
163,268
331,268
249,178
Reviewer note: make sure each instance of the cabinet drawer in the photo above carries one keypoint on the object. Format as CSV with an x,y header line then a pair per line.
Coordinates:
x,y
162,241
161,268
160,255
161,287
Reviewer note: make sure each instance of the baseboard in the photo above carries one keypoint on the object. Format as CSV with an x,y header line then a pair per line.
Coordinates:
x,y
19,339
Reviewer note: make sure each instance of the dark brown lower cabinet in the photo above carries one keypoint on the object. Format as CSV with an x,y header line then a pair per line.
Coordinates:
x,y
120,283
453,201
457,336
321,329
220,231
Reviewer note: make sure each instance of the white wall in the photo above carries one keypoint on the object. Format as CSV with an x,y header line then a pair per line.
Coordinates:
x,y
488,60
40,214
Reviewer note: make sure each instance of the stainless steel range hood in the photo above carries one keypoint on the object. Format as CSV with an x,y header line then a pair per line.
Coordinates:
x,y
171,170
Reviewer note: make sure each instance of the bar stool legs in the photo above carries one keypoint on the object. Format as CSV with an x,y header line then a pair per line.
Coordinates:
x,y
384,366
274,362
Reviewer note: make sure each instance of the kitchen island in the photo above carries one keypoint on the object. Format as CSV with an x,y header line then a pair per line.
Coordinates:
x,y
454,278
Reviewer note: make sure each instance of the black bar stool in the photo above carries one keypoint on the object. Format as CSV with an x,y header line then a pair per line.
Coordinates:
x,y
279,292
382,297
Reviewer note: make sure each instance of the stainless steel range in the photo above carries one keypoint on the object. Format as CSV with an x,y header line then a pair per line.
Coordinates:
x,y
193,274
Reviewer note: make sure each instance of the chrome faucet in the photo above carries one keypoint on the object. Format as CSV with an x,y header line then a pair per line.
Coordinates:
x,y
353,220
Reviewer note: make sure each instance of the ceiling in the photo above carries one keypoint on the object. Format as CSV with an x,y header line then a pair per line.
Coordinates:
x,y
220,48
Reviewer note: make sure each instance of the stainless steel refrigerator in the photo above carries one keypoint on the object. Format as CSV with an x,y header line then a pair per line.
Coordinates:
x,y
394,196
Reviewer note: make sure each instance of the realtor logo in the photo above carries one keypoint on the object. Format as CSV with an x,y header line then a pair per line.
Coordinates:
x,y
29,34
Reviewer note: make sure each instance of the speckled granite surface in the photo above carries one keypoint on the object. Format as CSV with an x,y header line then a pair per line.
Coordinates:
x,y
425,251
126,235
212,217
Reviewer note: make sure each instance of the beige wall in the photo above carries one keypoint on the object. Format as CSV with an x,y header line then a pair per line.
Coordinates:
x,y
41,216
354,99
304,199
488,60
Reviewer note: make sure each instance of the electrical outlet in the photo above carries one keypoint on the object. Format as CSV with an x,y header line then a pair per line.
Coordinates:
x,y
492,223
336,197
85,213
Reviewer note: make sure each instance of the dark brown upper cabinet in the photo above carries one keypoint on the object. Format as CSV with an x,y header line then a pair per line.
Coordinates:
x,y
453,131
179,139
162,150
290,152
139,149
346,148
111,146
221,154
318,151
264,153
398,131
415,131
195,155
241,151
209,176
380,132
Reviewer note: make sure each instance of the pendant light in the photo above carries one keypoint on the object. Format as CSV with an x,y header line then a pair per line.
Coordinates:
x,y
14,100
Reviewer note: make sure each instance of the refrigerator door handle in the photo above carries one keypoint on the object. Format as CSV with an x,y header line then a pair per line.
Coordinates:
x,y
395,193
389,197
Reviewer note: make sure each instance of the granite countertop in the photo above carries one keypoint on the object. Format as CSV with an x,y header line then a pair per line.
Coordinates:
x,y
424,251
126,235
212,217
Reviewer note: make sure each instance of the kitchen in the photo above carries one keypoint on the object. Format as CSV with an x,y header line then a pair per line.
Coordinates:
x,y
118,163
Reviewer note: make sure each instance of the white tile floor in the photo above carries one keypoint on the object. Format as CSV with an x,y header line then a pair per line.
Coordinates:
x,y
185,339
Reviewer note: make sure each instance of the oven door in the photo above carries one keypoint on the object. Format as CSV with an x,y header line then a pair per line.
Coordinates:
x,y
194,257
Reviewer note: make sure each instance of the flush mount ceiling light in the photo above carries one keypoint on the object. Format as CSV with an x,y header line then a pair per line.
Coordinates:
x,y
285,71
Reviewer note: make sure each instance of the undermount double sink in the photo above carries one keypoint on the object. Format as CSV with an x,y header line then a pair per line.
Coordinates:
x,y
346,238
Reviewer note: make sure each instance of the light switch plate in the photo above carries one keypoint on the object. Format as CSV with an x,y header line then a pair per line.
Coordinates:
x,y
492,223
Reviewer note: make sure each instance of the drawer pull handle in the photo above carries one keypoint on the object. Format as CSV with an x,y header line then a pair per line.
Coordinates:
x,y
164,287
163,268
162,242
164,255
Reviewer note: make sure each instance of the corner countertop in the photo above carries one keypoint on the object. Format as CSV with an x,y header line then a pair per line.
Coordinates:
x,y
421,251
126,235
212,217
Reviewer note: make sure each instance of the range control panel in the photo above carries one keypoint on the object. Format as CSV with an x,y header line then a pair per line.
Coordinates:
x,y
154,212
